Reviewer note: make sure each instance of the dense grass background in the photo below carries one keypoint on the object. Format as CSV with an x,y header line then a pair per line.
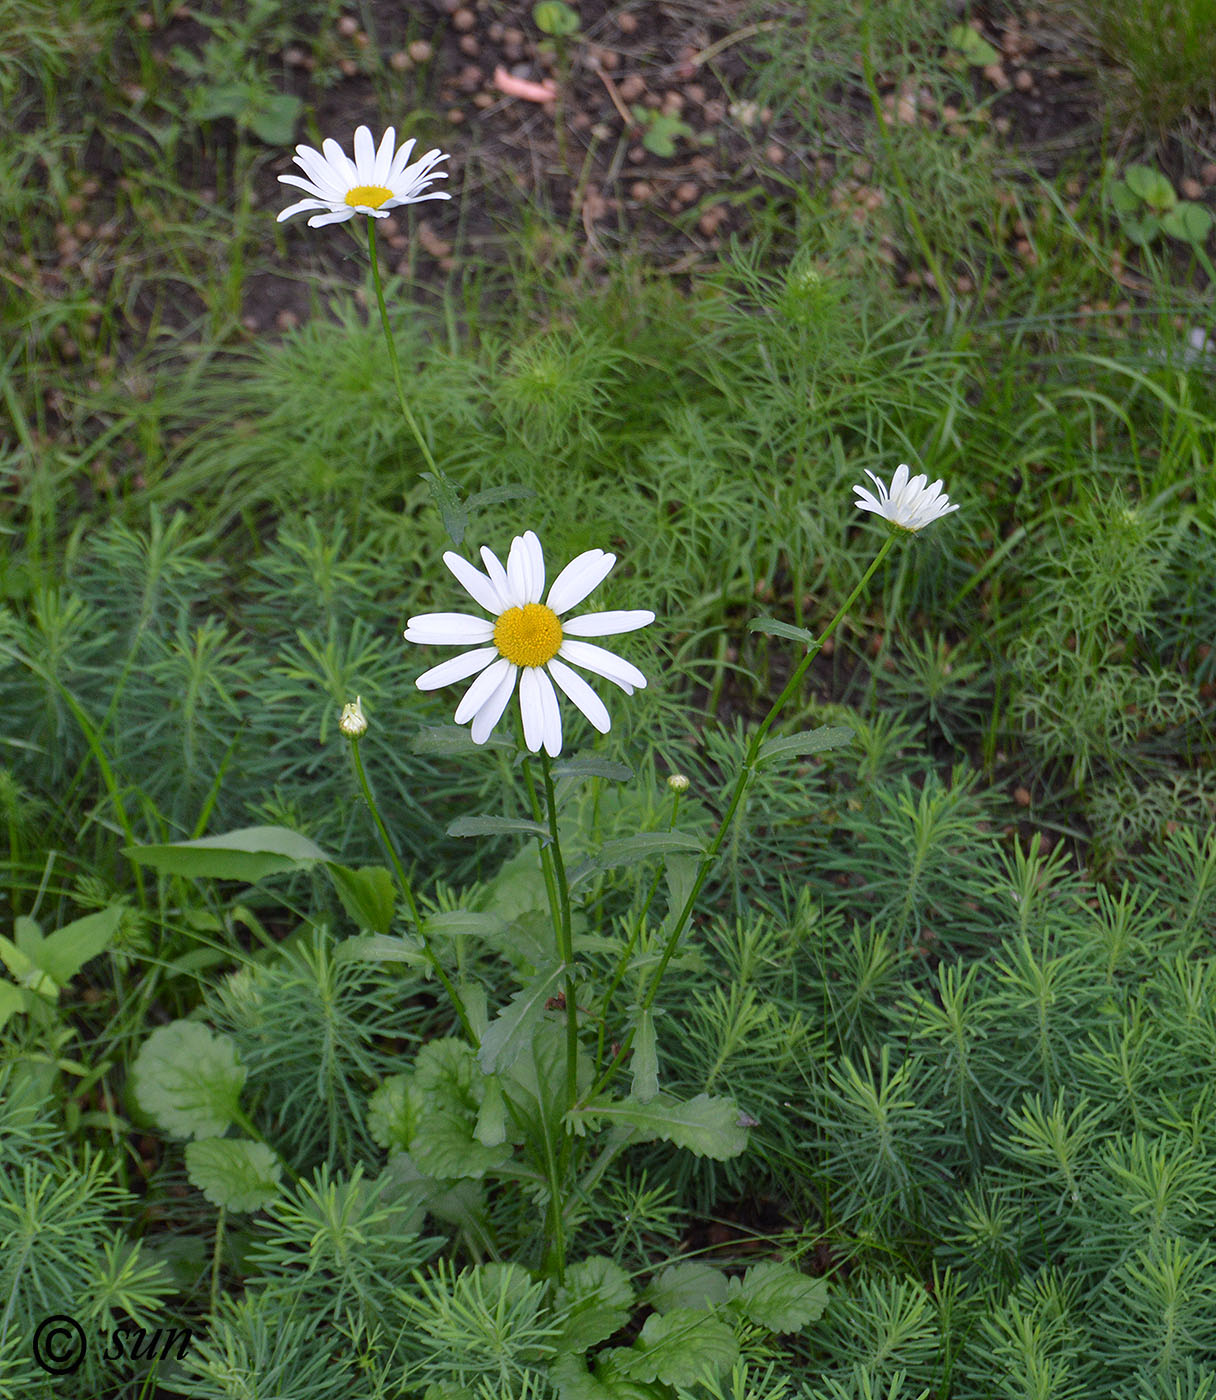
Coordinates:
x,y
961,973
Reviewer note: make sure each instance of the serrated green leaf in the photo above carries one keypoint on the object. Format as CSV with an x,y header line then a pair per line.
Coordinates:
x,y
1188,222
249,854
685,1347
569,1375
706,1126
394,1112
807,741
234,1172
645,1060
11,1001
779,1297
188,1080
592,768
452,511
273,119
773,628
597,1299
512,1028
367,895
453,738
445,1145
627,850
491,1127
692,1284
465,923
376,948
499,826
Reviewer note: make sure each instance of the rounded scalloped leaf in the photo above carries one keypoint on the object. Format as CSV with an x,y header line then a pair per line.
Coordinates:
x,y
681,1348
779,1297
234,1172
188,1080
393,1112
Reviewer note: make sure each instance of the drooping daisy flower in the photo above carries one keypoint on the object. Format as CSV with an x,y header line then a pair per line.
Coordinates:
x,y
376,182
909,505
526,640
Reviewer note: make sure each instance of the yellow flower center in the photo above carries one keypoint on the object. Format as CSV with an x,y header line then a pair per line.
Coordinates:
x,y
528,636
368,196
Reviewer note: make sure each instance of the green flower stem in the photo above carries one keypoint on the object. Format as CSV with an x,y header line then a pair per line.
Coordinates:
x,y
565,935
408,892
408,413
741,785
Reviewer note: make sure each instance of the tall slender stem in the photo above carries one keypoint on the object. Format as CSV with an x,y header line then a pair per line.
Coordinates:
x,y
565,935
407,890
745,775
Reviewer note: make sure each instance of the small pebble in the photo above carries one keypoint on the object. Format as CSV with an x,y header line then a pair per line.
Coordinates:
x,y
348,66
464,20
455,115
627,23
997,76
286,320
687,191
1191,189
641,190
470,45
1021,796
420,51
400,62
1208,173
347,26
1023,80
632,86
483,100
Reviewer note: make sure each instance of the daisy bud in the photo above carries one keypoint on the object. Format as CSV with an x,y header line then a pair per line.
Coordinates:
x,y
678,783
353,723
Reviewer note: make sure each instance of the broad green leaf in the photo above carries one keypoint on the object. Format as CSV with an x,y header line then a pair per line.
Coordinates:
x,y
685,1347
26,971
555,17
974,47
569,1376
681,873
535,1085
1191,223
376,948
628,850
445,1144
512,1028
491,1127
806,741
772,628
249,854
394,1112
64,952
692,1284
1124,198
453,738
11,1001
367,895
597,1299
188,1080
1150,186
451,508
707,1126
592,768
779,1297
498,826
1142,231
461,1203
645,1061
273,120
234,1172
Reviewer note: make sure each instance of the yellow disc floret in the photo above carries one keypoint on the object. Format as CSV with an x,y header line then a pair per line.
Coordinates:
x,y
528,636
368,196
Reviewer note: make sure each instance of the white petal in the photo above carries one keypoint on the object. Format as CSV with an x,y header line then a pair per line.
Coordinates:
x,y
384,157
498,576
365,155
603,663
318,169
337,216
882,488
308,186
475,583
536,559
481,690
459,668
491,712
344,169
519,572
551,712
300,208
401,159
531,707
867,500
900,479
607,624
579,578
581,694
448,629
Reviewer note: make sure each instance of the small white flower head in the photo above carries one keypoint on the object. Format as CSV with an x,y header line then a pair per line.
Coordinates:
x,y
678,783
353,721
526,640
910,504
376,182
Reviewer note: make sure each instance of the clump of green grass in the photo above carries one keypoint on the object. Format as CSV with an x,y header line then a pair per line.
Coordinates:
x,y
1163,54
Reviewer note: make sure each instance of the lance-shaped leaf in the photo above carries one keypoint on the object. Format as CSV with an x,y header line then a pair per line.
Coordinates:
x,y
707,1126
234,1172
628,850
453,738
592,768
249,854
772,628
512,1028
188,1080
805,742
645,1062
499,826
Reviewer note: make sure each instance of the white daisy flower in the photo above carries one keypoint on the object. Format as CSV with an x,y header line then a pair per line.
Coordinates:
x,y
909,505
375,182
526,640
